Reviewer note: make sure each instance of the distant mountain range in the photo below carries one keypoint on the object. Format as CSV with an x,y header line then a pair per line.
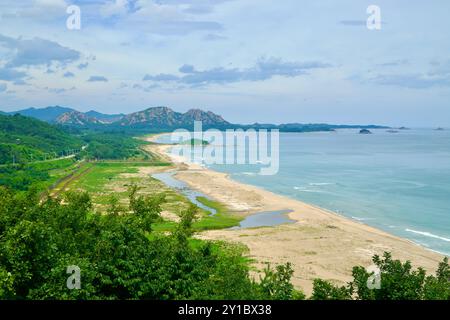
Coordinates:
x,y
49,114
161,118
62,115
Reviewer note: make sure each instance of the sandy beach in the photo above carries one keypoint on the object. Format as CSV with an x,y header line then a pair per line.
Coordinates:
x,y
320,244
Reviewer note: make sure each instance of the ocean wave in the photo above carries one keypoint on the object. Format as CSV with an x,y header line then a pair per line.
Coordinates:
x,y
302,189
321,183
248,173
428,234
361,219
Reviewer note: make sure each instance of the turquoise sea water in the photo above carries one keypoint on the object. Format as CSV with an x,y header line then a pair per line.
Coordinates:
x,y
397,182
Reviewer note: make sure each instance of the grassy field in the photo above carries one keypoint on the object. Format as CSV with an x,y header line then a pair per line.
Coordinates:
x,y
104,179
222,219
205,221
41,175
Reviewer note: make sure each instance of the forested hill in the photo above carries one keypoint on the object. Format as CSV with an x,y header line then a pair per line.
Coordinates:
x,y
25,139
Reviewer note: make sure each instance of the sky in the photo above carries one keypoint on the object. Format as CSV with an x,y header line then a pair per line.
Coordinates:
x,y
247,60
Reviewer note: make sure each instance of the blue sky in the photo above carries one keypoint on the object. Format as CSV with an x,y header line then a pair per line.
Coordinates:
x,y
248,60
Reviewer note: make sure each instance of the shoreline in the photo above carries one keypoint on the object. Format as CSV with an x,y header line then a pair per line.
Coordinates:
x,y
320,243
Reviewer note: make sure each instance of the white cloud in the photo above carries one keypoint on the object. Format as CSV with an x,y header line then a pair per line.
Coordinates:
x,y
37,51
113,8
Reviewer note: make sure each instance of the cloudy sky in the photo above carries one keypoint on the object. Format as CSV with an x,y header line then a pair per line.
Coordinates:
x,y
248,60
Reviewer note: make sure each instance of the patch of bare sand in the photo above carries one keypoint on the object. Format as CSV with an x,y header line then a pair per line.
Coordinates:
x,y
167,215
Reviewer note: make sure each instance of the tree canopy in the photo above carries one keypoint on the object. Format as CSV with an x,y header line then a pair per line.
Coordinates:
x,y
120,257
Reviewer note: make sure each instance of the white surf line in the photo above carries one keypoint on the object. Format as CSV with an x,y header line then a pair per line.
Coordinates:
x,y
427,234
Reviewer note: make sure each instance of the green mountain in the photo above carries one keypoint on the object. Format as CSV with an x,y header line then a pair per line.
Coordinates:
x,y
52,114
48,114
24,139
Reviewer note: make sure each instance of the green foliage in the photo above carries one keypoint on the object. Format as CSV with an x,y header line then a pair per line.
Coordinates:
x,y
115,145
24,139
39,174
121,258
114,207
146,209
118,256
438,288
324,290
184,228
398,281
276,284
221,220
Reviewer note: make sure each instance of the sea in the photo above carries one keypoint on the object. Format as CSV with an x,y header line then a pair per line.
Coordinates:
x,y
398,182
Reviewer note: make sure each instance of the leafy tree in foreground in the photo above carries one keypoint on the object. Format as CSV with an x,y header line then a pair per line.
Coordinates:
x,y
398,281
120,257
276,284
118,254
324,290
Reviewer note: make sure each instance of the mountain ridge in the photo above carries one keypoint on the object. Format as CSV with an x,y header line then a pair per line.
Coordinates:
x,y
76,118
164,118
47,114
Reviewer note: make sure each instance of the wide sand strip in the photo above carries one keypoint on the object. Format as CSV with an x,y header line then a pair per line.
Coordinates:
x,y
320,244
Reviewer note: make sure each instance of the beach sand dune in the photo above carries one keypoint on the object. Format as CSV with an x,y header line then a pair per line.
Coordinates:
x,y
320,244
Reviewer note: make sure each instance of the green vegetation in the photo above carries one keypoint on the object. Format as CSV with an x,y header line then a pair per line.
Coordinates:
x,y
39,175
34,153
121,257
117,257
104,179
24,139
101,174
398,281
221,220
116,145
